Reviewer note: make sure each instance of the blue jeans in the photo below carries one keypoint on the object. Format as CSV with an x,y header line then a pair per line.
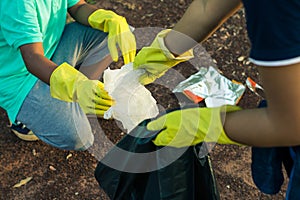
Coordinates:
x,y
61,124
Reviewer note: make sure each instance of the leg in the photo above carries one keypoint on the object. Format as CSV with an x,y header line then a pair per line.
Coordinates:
x,y
96,70
85,48
58,123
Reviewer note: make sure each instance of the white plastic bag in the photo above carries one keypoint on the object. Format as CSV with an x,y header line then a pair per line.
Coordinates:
x,y
133,101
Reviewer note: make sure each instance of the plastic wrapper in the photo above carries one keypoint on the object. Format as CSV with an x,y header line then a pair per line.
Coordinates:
x,y
209,85
255,87
133,101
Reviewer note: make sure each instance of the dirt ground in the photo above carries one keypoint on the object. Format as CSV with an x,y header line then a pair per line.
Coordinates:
x,y
56,174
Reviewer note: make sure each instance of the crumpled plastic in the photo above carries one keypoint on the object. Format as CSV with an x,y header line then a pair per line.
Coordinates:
x,y
212,87
133,101
255,87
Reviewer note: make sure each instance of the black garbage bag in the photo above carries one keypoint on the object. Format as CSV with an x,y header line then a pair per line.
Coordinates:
x,y
136,169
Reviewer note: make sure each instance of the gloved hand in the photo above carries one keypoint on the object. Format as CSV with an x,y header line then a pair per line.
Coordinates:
x,y
157,59
118,33
68,84
191,126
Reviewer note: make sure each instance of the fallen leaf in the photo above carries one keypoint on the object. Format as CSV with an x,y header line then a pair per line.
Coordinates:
x,y
22,182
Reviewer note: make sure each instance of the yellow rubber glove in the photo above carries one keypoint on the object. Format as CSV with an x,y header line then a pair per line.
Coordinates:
x,y
118,33
157,59
68,84
191,126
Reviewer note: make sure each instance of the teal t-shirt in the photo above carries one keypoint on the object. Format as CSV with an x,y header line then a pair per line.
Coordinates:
x,y
23,22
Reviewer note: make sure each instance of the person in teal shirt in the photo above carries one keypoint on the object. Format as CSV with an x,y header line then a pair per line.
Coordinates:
x,y
50,69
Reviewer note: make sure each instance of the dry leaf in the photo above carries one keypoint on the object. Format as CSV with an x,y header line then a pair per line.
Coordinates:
x,y
22,182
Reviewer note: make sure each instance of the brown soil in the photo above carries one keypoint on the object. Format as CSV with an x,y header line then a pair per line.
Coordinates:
x,y
58,174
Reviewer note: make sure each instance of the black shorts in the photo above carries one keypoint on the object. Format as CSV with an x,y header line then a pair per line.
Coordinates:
x,y
274,30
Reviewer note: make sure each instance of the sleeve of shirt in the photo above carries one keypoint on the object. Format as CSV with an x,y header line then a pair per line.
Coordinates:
x,y
21,24
72,3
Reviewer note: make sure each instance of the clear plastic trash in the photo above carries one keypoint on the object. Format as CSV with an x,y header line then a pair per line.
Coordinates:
x,y
133,101
209,85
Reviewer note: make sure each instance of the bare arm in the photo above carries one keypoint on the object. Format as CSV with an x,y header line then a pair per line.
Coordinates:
x,y
81,12
278,124
36,62
200,20
33,54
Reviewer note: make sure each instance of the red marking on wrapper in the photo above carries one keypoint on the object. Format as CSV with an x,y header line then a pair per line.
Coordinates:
x,y
253,83
254,87
192,96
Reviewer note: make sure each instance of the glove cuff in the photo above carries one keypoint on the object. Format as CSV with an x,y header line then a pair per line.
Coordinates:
x,y
224,139
63,82
183,57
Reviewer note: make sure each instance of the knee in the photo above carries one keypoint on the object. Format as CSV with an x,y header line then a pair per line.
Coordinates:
x,y
84,143
78,140
70,137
